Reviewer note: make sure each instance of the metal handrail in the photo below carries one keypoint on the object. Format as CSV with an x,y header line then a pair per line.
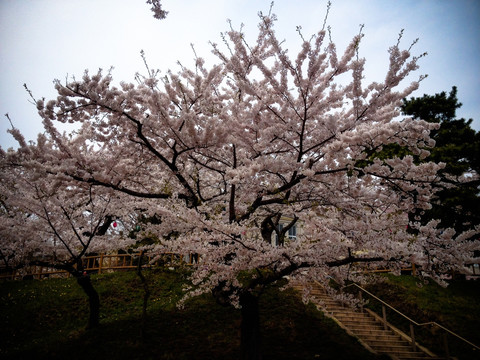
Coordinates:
x,y
411,320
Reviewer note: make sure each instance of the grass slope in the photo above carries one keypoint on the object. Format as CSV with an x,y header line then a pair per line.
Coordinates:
x,y
45,320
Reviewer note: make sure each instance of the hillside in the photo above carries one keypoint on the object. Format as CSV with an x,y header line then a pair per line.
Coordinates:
x,y
45,319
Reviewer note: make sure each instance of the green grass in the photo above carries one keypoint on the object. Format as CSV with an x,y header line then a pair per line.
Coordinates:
x,y
457,307
46,320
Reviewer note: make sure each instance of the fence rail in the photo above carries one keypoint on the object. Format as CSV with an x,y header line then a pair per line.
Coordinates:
x,y
102,263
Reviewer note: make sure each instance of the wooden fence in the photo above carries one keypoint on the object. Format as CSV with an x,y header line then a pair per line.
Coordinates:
x,y
102,263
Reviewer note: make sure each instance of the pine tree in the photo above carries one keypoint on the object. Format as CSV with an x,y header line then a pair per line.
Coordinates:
x,y
458,146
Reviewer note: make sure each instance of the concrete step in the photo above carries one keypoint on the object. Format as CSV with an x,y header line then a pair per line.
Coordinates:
x,y
391,348
410,355
361,325
389,341
359,319
330,305
377,329
373,335
353,314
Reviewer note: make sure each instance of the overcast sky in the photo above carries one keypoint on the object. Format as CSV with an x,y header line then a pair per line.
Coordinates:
x,y
43,40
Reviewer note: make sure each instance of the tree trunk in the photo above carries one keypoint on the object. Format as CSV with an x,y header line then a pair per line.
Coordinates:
x,y
146,295
250,343
93,299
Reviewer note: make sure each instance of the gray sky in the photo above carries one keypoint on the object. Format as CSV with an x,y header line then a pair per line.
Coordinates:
x,y
43,40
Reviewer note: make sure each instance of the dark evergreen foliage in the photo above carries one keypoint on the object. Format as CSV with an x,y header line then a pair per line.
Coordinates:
x,y
458,146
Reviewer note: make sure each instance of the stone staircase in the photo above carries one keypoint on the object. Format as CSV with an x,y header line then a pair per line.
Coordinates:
x,y
369,329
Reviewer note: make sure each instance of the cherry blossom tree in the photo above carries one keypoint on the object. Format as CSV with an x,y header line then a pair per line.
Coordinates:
x,y
48,222
233,156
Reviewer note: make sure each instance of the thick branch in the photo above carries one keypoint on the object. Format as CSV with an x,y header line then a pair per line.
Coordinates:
x,y
145,195
351,260
233,188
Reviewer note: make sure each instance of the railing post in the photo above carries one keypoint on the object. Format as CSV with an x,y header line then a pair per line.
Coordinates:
x,y
384,313
412,335
360,298
445,344
100,264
